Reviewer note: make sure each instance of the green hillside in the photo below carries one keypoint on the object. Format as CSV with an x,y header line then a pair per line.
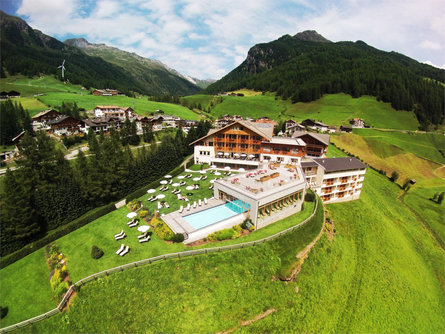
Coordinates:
x,y
29,52
154,76
367,277
304,70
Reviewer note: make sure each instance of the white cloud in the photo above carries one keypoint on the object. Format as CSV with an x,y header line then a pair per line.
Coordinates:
x,y
430,63
430,45
208,38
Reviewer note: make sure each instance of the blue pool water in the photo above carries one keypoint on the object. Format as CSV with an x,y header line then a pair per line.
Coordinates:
x,y
210,216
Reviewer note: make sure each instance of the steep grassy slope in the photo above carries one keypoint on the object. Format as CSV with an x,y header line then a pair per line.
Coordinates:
x,y
338,109
381,273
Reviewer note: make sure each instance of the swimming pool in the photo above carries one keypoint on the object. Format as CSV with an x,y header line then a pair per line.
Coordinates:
x,y
210,216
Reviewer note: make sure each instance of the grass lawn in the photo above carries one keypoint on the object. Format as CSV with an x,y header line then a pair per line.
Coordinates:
x,y
29,87
77,245
31,104
202,99
381,273
250,106
338,109
386,156
25,288
141,105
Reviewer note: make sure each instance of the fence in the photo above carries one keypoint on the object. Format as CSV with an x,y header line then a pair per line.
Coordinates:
x,y
151,260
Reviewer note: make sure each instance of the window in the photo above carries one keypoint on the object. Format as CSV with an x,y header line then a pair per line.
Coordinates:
x,y
266,148
295,150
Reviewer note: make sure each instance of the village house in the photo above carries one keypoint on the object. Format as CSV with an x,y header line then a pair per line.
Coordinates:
x,y
294,128
113,111
65,125
315,125
316,143
347,129
105,92
103,124
357,123
40,120
335,179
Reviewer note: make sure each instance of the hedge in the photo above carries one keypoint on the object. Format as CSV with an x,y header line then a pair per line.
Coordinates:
x,y
143,190
190,163
56,234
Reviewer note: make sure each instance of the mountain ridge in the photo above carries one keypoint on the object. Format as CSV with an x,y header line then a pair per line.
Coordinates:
x,y
30,52
303,71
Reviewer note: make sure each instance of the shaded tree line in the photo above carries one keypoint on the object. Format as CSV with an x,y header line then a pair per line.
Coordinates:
x,y
13,120
47,191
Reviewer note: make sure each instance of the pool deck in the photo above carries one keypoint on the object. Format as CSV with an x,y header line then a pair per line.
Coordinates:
x,y
175,221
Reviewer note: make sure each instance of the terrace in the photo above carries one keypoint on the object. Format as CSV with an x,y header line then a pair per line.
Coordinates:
x,y
263,182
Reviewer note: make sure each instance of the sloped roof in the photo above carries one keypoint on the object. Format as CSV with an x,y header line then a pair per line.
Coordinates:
x,y
287,141
321,137
340,164
265,132
44,112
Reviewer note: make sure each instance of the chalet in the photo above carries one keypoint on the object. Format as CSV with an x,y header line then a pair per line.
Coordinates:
x,y
315,125
141,122
357,123
113,111
65,125
316,143
347,129
105,92
223,121
266,119
40,121
246,144
335,179
186,124
332,129
103,124
160,122
293,128
289,123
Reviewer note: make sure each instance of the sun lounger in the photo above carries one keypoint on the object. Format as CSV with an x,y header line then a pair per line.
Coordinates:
x,y
171,181
147,238
183,183
159,205
179,196
166,205
188,207
173,191
133,224
125,251
119,234
196,186
120,249
211,187
119,237
199,202
205,201
130,222
194,204
143,235
181,209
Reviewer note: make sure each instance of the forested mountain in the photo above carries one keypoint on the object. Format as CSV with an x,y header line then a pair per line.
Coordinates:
x,y
148,72
306,66
30,52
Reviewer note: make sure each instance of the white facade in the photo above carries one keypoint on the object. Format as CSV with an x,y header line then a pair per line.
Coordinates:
x,y
341,186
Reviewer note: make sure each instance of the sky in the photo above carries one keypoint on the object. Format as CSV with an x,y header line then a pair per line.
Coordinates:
x,y
208,38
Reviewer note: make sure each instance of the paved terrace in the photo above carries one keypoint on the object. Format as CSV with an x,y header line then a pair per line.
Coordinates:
x,y
177,223
266,181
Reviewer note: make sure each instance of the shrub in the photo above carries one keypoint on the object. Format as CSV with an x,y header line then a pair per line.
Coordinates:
x,y
246,224
178,237
61,289
3,312
134,204
394,176
252,228
309,197
55,280
143,213
212,237
162,230
237,231
96,252
227,233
